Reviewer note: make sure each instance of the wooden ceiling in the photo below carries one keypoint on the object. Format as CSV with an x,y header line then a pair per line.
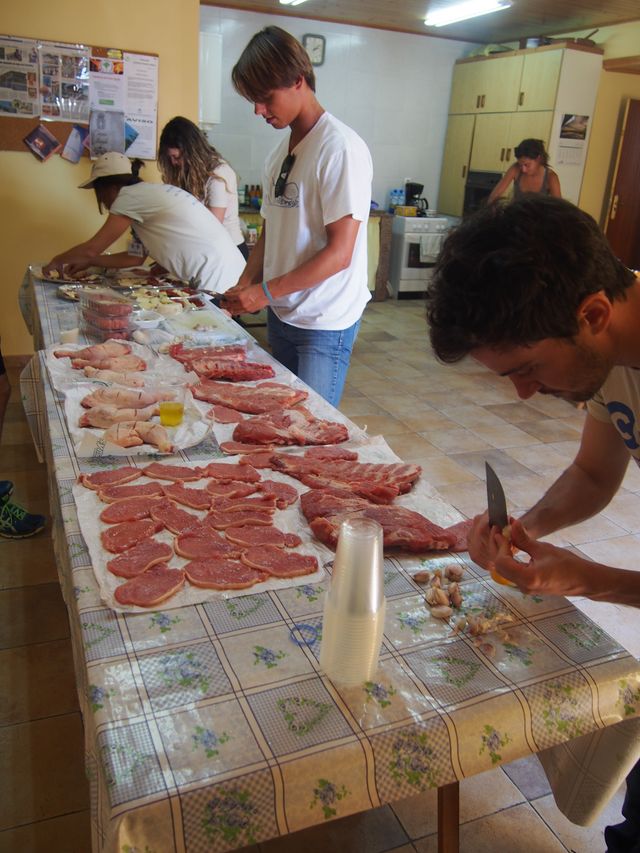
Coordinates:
x,y
525,18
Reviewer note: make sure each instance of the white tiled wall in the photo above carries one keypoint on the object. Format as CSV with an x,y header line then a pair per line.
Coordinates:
x,y
392,88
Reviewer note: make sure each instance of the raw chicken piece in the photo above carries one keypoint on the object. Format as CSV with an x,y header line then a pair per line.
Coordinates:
x,y
106,416
119,363
135,433
125,398
97,352
131,380
156,435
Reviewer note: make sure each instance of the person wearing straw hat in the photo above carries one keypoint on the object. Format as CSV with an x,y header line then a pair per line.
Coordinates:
x,y
174,228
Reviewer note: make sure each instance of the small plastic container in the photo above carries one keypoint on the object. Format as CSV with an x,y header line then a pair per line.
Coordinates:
x,y
105,303
146,319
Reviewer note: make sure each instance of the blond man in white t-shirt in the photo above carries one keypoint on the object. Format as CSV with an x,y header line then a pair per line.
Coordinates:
x,y
309,266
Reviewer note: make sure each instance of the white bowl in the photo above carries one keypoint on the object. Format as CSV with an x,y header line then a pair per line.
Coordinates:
x,y
146,319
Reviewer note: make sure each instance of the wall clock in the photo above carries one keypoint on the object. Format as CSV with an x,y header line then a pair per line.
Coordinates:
x,y
315,47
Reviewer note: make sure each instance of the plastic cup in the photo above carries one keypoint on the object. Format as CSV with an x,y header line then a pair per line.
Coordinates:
x,y
354,609
172,411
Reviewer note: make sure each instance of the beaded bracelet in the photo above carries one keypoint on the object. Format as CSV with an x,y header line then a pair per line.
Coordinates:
x,y
266,291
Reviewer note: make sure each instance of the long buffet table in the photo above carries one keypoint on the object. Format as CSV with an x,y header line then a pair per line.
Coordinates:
x,y
211,726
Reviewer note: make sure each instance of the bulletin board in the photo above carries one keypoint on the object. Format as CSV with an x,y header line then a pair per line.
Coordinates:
x,y
109,83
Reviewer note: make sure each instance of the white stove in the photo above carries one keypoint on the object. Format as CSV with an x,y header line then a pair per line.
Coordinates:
x,y
415,244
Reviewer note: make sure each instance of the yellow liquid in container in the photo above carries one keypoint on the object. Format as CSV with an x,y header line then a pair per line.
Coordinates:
x,y
171,413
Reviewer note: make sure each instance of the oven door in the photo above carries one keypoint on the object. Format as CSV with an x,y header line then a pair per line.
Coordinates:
x,y
414,267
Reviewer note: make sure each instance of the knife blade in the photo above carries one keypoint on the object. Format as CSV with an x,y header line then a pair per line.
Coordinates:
x,y
497,504
496,500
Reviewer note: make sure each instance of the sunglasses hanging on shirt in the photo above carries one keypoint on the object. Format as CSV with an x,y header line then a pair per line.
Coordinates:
x,y
287,165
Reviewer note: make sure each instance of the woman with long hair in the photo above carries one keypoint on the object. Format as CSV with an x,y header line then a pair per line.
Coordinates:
x,y
188,160
175,229
529,174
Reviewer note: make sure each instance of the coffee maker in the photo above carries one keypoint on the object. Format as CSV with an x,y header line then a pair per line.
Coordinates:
x,y
413,197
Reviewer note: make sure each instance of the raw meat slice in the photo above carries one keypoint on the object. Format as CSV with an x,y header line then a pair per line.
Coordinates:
x,y
124,398
186,355
292,426
232,448
130,380
151,587
172,517
260,459
125,535
138,559
230,489
99,479
177,473
330,454
111,494
378,482
107,415
257,503
96,352
222,574
279,563
227,471
252,399
284,494
249,537
195,498
202,544
131,509
231,371
136,433
403,529
222,520
119,363
461,531
224,415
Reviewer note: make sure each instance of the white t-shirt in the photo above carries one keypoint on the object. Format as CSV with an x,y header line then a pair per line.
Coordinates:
x,y
181,234
618,402
330,179
222,191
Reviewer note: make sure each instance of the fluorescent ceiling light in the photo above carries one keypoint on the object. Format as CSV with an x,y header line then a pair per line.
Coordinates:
x,y
462,11
292,2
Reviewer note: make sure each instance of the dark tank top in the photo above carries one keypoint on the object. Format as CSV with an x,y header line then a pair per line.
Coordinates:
x,y
544,189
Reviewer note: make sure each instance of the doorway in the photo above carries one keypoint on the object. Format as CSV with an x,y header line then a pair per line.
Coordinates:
x,y
622,225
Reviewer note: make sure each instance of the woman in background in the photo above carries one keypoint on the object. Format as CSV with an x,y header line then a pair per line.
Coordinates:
x,y
529,174
187,160
174,228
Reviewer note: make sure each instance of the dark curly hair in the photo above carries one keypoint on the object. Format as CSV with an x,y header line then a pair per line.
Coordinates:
x,y
532,148
515,274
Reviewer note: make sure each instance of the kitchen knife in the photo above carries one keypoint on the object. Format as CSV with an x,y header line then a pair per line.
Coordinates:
x,y
497,504
495,499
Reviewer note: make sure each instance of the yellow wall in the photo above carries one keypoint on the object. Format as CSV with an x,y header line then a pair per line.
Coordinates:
x,y
613,90
42,211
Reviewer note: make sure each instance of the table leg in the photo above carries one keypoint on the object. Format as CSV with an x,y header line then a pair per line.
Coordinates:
x,y
448,818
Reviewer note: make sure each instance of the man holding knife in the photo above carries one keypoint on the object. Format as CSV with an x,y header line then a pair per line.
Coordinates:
x,y
533,291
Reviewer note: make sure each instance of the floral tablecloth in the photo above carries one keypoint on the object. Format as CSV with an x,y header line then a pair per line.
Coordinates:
x,y
211,727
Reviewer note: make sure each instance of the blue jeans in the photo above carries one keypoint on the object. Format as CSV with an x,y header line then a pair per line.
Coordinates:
x,y
317,356
625,837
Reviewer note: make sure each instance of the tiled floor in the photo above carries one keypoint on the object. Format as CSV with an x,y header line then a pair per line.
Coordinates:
x,y
449,419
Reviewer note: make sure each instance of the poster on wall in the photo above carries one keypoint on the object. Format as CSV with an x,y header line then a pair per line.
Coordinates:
x,y
141,88
18,78
106,132
64,81
573,137
106,79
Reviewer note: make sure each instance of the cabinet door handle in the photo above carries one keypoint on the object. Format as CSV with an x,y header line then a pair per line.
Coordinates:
x,y
477,101
521,99
464,171
614,207
501,155
482,101
508,157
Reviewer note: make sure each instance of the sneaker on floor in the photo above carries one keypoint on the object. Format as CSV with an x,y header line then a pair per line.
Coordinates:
x,y
17,523
6,487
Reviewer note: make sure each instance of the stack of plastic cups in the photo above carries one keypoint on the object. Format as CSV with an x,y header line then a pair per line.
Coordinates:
x,y
355,606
